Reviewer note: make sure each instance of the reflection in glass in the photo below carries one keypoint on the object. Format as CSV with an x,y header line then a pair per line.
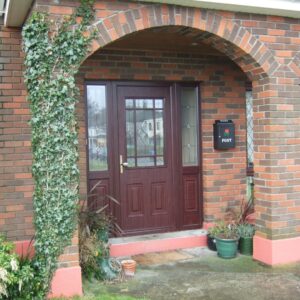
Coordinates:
x,y
159,103
131,162
97,127
160,161
189,126
145,161
159,132
144,103
144,132
129,103
130,137
144,136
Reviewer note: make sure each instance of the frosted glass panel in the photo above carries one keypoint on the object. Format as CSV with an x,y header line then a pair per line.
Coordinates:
x,y
189,126
97,127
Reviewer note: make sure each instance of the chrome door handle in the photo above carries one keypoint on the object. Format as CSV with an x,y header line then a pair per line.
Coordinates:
x,y
122,164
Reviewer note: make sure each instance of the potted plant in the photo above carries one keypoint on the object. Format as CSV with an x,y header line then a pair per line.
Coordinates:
x,y
95,224
246,232
227,241
211,234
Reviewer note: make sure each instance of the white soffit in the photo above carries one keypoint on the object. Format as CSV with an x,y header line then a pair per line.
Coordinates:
x,y
16,12
286,8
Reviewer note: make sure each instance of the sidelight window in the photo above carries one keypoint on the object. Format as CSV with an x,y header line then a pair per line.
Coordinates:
x,y
189,126
97,127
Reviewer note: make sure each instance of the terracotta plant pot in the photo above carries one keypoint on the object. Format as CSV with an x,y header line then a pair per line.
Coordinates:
x,y
128,267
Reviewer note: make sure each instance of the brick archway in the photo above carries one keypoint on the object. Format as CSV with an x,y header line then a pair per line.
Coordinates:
x,y
250,54
253,57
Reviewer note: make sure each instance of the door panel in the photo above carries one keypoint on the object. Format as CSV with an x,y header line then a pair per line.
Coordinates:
x,y
144,125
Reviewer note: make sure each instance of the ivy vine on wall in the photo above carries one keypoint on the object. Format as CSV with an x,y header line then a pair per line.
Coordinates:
x,y
54,51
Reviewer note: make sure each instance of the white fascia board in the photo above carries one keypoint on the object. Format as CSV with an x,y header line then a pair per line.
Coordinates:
x,y
286,8
16,12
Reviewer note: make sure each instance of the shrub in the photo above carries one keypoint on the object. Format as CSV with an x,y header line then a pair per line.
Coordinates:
x,y
18,278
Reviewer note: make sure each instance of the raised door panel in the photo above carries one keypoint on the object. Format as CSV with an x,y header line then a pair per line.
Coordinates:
x,y
158,198
191,216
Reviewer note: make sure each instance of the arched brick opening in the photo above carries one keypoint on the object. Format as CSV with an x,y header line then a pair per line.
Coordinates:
x,y
251,55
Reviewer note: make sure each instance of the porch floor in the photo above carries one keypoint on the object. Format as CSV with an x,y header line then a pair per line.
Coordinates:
x,y
124,246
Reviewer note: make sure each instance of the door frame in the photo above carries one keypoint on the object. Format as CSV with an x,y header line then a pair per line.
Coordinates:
x,y
113,172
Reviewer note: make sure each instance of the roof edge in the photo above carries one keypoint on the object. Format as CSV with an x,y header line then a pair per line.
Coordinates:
x,y
285,8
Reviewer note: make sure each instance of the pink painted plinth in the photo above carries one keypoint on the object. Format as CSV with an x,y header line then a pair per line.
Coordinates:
x,y
274,252
66,282
140,247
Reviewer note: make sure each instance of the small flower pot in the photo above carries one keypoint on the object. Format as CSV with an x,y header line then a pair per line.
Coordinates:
x,y
246,245
227,248
211,243
128,267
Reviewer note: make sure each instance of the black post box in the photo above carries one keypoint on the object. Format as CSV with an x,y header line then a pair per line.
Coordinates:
x,y
224,135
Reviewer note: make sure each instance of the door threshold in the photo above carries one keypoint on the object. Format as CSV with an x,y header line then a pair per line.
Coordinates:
x,y
158,242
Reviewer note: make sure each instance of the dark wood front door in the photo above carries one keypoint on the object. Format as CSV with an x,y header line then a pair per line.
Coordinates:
x,y
145,155
143,145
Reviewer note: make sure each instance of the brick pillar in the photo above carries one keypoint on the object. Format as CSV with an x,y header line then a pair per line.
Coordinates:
x,y
277,170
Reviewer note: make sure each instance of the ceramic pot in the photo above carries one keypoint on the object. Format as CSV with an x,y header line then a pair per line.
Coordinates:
x,y
128,267
246,245
211,244
227,248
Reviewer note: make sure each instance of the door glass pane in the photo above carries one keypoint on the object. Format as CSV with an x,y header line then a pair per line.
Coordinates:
x,y
129,103
130,136
159,103
145,161
145,132
189,126
131,162
144,103
159,123
97,127
160,161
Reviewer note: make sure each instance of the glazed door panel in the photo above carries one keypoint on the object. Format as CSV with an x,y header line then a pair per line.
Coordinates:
x,y
145,159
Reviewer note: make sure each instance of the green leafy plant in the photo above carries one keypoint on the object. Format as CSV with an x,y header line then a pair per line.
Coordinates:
x,y
246,230
227,231
54,51
216,229
18,277
94,228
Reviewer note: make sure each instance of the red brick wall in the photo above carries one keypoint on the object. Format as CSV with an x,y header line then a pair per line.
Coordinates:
x,y
16,184
222,97
265,47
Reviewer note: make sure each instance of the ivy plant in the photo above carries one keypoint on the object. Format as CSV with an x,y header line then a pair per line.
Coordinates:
x,y
54,51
